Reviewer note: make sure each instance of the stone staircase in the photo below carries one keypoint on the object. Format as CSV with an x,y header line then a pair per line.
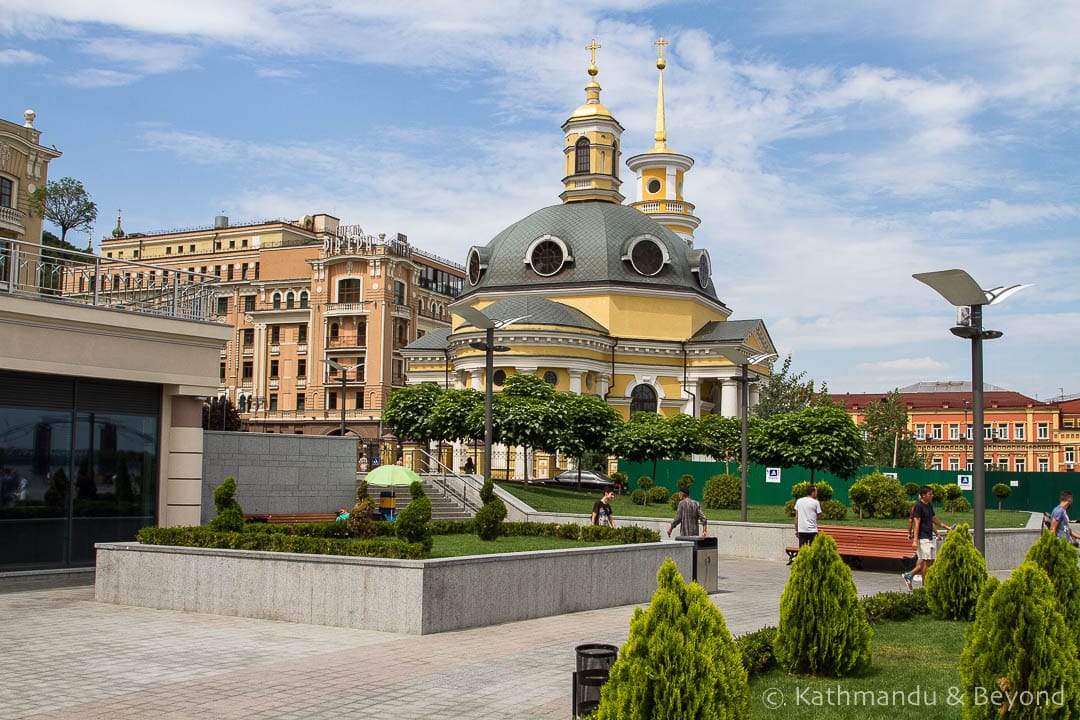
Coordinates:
x,y
442,507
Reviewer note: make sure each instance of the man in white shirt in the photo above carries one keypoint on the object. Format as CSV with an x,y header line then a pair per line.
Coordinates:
x,y
807,512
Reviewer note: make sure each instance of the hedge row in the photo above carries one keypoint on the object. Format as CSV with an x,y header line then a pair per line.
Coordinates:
x,y
626,535
278,542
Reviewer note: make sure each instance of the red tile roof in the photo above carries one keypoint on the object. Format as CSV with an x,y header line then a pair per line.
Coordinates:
x,y
938,400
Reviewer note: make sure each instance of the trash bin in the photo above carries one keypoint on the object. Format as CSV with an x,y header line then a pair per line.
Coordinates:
x,y
594,661
706,555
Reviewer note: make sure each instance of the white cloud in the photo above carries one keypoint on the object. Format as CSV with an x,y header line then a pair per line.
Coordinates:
x,y
921,364
994,213
20,57
144,57
99,78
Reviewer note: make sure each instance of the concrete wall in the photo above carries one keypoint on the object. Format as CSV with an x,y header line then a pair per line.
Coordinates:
x,y
407,596
280,473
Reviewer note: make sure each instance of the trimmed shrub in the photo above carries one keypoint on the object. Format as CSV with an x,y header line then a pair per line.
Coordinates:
x,y
879,496
723,491
412,522
1058,559
638,497
659,494
686,481
802,489
830,510
277,542
361,524
912,489
955,580
362,490
487,492
230,517
952,492
822,631
619,478
644,483
489,520
789,508
756,649
959,505
939,492
887,606
679,661
1001,491
1020,644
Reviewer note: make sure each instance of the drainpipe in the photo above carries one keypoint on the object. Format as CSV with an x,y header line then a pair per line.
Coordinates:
x,y
611,384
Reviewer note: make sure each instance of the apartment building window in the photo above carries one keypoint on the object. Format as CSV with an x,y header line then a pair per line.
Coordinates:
x,y
249,303
969,466
1018,431
399,292
1044,431
7,192
273,401
179,249
191,248
1044,465
1003,431
954,463
349,290
247,371
248,335
303,300
301,368
243,271
256,271
988,432
954,432
229,271
222,306
232,244
920,432
243,243
275,365
937,432
1070,456
221,372
967,433
301,403
301,334
360,400
290,301
1020,464
935,464
168,250
331,401
277,301
359,369
217,245
275,334
333,331
217,271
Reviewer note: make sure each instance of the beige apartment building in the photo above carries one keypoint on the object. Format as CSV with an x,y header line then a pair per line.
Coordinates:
x,y
320,311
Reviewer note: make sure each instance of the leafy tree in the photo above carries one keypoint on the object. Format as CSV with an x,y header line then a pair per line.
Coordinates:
x,y
1001,491
66,204
451,418
589,424
683,435
823,630
1020,644
220,414
679,662
888,440
643,438
955,580
788,392
721,437
818,438
527,415
407,411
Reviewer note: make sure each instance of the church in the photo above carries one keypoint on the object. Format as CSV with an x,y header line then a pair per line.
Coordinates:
x,y
599,297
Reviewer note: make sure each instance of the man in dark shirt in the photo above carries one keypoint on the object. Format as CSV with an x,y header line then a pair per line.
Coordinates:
x,y
924,543
601,509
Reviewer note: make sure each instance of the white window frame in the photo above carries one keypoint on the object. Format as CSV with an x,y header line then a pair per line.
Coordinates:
x,y
1070,455
954,434
1003,431
954,463
920,432
1018,431
988,432
1019,464
935,464
936,431
1043,431
1044,465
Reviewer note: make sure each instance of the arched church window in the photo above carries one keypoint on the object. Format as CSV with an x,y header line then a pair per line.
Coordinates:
x,y
643,399
581,156
277,301
615,159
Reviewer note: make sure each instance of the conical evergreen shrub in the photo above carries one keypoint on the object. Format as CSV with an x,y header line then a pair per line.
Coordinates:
x,y
1019,644
679,662
823,629
230,517
955,580
1058,559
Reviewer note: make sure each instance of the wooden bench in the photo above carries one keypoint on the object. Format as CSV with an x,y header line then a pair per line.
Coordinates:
x,y
854,543
289,518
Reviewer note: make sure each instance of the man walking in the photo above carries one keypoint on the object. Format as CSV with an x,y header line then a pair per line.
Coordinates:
x,y
807,513
689,515
924,544
1059,519
601,509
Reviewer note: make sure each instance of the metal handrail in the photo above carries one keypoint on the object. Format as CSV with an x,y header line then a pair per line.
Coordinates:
x,y
454,485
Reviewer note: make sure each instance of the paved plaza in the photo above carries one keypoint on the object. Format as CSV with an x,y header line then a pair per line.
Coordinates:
x,y
66,656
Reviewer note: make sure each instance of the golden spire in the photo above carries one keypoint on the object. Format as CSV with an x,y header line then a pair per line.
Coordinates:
x,y
661,129
592,106
592,48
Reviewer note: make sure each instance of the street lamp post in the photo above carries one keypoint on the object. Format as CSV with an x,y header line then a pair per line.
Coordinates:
x,y
343,369
745,361
961,290
483,322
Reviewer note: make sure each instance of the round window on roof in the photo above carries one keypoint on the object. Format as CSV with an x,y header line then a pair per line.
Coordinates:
x,y
551,377
647,257
476,268
653,186
547,256
704,270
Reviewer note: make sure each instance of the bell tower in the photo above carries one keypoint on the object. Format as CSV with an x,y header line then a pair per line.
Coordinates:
x,y
660,174
592,147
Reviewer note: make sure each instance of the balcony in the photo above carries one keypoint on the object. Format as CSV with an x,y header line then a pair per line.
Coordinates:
x,y
249,350
301,383
340,342
13,220
275,349
273,383
301,349
348,308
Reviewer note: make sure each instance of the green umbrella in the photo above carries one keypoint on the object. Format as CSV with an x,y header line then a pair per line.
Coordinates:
x,y
392,475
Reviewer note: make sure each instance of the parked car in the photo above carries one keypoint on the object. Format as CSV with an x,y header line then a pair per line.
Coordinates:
x,y
589,479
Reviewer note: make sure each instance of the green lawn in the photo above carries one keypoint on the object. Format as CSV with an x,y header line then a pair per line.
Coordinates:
x,y
916,655
549,498
461,545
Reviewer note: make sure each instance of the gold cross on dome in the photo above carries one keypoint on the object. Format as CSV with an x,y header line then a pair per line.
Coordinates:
x,y
592,48
661,43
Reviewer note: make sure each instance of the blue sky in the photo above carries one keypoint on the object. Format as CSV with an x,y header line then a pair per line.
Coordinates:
x,y
840,147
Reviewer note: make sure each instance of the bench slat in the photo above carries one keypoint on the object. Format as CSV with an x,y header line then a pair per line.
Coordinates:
x,y
883,543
